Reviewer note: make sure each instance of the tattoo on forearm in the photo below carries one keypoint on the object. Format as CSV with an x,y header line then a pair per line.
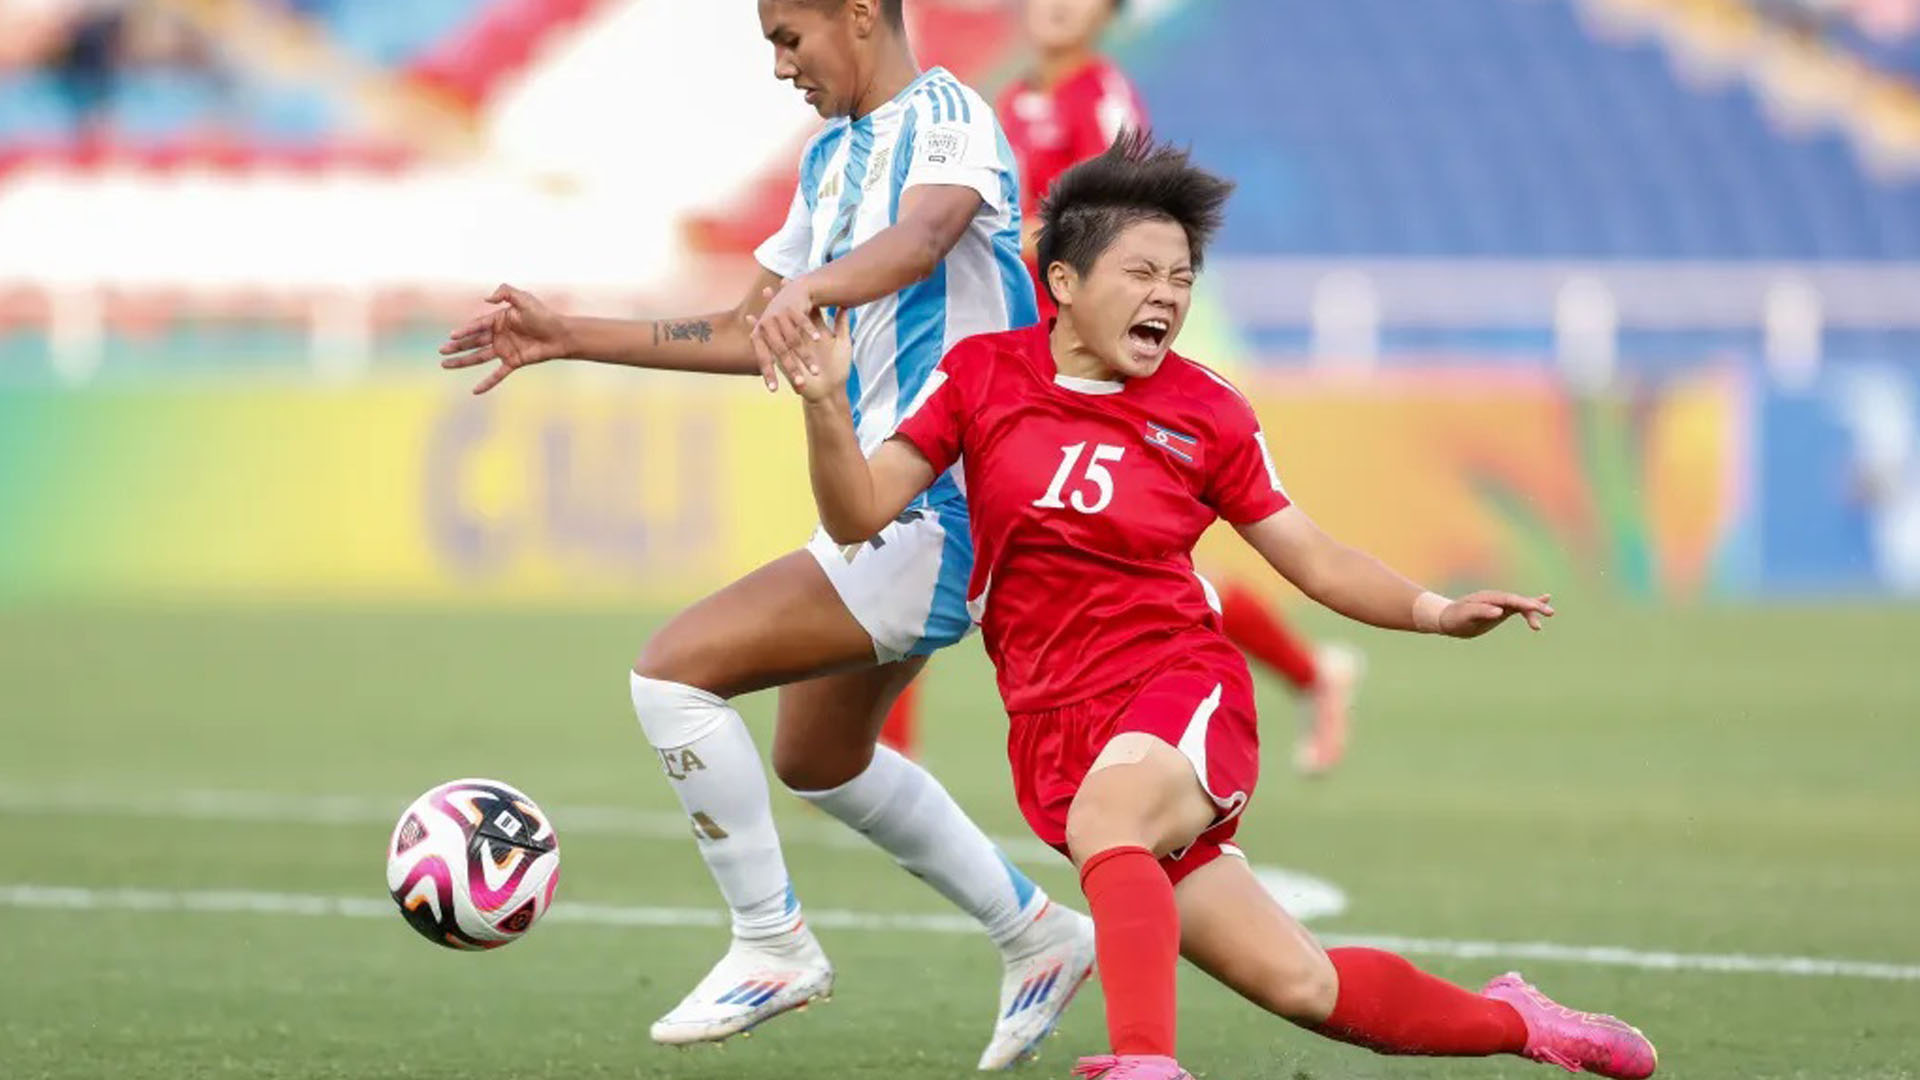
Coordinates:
x,y
700,330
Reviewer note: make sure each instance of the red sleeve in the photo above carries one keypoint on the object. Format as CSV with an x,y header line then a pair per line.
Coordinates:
x,y
1032,184
936,421
1242,483
1003,109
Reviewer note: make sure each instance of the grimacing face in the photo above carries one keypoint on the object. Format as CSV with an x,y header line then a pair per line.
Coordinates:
x,y
1066,24
814,49
1129,307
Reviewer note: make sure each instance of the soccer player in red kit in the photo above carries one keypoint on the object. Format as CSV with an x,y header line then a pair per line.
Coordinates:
x,y
1069,108
1094,458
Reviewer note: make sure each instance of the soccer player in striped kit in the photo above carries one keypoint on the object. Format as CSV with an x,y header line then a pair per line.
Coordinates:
x,y
907,219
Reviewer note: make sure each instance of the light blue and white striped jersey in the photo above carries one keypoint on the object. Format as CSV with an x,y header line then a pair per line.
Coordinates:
x,y
852,175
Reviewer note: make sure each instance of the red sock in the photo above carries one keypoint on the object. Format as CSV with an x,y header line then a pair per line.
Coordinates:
x,y
1137,939
1391,1007
1259,633
900,730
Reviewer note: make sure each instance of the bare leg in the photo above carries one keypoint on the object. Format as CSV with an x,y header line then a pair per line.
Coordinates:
x,y
828,726
825,751
780,624
1234,930
1140,792
785,625
1140,801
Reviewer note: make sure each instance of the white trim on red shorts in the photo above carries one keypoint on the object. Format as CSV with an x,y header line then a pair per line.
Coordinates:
x,y
1193,747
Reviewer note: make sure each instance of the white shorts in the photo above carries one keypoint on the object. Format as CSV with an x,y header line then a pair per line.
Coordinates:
x,y
907,586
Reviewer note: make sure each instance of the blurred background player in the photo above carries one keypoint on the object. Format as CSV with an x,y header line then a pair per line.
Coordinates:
x,y
1068,107
906,217
1095,458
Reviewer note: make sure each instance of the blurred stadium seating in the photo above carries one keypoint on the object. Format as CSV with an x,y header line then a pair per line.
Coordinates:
x,y
1668,153
1639,185
1882,33
1501,128
1419,182
176,79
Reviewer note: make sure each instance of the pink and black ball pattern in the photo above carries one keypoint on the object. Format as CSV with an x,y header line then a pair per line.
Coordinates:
x,y
473,864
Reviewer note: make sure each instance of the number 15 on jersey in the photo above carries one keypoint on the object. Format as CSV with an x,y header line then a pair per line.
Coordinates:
x,y
1096,479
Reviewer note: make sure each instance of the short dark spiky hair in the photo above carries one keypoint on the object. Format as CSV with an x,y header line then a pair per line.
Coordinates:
x,y
1135,180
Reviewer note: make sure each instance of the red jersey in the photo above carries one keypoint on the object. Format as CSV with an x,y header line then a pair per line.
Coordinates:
x,y
1051,131
1086,500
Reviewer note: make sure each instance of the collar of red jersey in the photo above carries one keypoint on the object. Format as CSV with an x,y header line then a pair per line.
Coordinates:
x,y
1088,386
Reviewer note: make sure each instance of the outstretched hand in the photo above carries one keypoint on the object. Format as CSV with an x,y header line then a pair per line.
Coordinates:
x,y
1475,614
786,332
520,332
823,370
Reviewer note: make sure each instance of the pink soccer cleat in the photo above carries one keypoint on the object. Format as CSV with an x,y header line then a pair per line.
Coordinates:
x,y
1130,1067
1576,1041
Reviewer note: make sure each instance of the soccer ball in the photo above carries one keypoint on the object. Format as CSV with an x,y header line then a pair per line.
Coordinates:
x,y
473,864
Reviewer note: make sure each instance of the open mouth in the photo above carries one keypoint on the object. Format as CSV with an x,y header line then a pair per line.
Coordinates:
x,y
1149,334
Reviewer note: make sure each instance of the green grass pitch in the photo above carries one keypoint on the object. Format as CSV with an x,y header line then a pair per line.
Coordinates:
x,y
1728,782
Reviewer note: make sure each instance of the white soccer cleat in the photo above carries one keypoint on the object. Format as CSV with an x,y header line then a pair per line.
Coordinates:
x,y
1046,965
756,981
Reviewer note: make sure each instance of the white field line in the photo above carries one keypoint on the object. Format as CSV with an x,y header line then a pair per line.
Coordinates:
x,y
71,898
1616,956
1307,897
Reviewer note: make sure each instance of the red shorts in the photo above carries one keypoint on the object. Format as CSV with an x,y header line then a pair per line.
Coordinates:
x,y
1201,704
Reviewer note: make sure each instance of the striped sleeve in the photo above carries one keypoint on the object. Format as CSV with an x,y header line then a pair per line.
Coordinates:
x,y
955,140
787,252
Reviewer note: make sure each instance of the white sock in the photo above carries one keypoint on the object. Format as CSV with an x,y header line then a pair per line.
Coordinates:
x,y
901,807
708,755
